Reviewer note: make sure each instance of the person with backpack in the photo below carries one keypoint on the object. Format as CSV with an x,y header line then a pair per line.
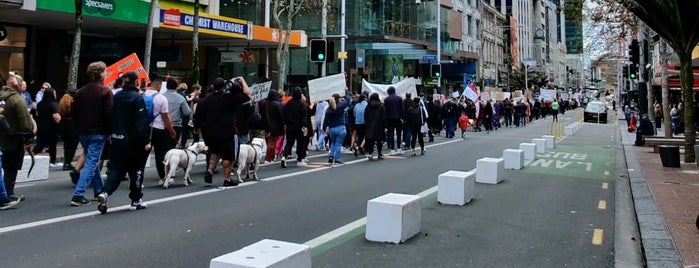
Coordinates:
x,y
162,134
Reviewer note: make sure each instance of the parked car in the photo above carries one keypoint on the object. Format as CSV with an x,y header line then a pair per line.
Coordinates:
x,y
596,111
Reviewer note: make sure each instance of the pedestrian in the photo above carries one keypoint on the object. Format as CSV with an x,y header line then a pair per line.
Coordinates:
x,y
23,91
6,202
93,117
335,125
407,103
375,120
359,124
415,118
645,128
507,112
496,115
434,108
295,114
463,123
47,123
271,112
449,109
554,110
319,109
675,117
658,113
67,129
394,114
178,109
194,97
488,117
163,136
130,144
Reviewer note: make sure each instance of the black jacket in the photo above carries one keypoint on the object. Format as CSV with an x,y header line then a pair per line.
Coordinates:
x,y
218,112
295,114
375,120
271,112
129,121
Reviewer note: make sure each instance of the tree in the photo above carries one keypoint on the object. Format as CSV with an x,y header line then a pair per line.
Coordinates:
x,y
149,36
195,45
287,9
75,52
537,79
675,21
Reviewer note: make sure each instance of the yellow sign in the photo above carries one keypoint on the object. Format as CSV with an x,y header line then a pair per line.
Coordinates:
x,y
342,55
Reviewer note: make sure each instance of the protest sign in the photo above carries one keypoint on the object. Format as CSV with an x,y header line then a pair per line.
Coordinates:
x,y
127,64
402,87
499,96
548,94
260,91
323,88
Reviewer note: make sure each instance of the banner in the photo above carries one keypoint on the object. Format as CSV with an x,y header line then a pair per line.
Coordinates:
x,y
507,95
125,65
260,91
402,87
485,96
565,96
499,96
470,91
548,94
323,88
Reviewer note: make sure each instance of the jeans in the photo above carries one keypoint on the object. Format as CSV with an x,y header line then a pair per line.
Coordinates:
x,y
508,119
394,127
675,125
320,143
93,145
3,192
450,125
337,135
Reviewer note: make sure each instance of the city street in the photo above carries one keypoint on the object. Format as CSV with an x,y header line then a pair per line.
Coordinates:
x,y
557,211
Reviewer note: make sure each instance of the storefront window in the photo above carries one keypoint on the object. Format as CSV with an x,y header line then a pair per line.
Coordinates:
x,y
251,10
12,51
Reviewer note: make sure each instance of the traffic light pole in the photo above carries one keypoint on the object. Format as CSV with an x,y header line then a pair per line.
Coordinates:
x,y
324,34
439,42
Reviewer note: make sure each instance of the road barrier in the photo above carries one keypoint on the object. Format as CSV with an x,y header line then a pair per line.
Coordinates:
x,y
540,145
514,158
529,150
266,253
550,141
490,170
393,218
455,187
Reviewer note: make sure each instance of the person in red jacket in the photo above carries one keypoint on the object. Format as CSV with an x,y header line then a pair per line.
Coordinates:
x,y
463,123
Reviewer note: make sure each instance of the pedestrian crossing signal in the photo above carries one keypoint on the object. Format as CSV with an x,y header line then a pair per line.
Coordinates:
x,y
436,70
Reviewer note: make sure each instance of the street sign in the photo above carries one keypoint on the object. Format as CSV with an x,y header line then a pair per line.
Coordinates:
x,y
161,64
429,57
342,55
360,57
3,33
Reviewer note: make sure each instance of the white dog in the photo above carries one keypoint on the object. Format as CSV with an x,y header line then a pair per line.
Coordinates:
x,y
181,158
249,154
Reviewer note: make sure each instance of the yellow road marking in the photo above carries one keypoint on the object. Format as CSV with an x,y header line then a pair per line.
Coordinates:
x,y
602,204
605,185
606,173
631,170
597,237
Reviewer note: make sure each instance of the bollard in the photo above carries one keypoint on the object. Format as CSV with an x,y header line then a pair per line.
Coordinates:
x,y
266,253
393,218
455,187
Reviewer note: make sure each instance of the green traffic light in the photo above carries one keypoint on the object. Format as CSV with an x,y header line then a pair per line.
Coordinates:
x,y
437,74
633,76
321,56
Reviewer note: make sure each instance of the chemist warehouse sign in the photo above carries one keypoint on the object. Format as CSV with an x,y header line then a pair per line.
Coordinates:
x,y
174,18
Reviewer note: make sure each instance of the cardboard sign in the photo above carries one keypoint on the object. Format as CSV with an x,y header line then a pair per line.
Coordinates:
x,y
499,96
323,88
402,87
260,91
548,94
125,65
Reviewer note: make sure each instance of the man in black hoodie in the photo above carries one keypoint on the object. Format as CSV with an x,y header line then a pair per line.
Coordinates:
x,y
394,116
295,113
407,103
130,144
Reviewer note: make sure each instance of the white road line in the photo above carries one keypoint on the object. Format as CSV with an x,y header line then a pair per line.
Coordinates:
x,y
23,185
173,198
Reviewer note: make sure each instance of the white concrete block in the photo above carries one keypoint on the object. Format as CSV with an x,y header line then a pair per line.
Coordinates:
x,y
456,187
550,141
266,253
40,171
540,145
393,218
514,158
490,170
529,150
569,130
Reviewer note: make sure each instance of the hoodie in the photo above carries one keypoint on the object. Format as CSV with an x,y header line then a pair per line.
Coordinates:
x,y
129,121
394,105
18,118
375,119
271,112
295,112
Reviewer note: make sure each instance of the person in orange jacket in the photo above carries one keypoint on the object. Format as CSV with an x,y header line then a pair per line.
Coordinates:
x,y
463,123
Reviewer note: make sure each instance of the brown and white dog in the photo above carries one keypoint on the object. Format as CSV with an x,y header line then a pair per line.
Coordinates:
x,y
182,158
249,154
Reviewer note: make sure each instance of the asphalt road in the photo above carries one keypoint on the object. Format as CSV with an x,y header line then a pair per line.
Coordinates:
x,y
534,219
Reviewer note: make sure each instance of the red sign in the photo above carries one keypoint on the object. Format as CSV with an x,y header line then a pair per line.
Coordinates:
x,y
127,64
171,17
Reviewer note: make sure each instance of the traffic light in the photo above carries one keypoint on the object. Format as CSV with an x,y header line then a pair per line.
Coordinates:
x,y
436,70
318,50
633,70
634,52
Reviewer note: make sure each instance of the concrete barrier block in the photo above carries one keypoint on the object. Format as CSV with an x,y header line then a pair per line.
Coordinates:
x,y
266,253
514,158
40,171
456,187
490,170
529,150
569,130
550,141
393,218
540,145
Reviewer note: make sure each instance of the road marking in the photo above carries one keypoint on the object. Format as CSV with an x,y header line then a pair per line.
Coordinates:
x,y
602,204
631,170
606,173
178,197
23,185
605,185
597,237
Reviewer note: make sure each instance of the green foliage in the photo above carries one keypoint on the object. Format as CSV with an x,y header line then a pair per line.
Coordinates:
x,y
536,79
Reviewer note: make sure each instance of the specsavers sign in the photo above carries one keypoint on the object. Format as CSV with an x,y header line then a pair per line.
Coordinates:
x,y
124,10
175,18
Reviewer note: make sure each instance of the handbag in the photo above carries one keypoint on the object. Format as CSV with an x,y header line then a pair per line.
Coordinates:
x,y
424,129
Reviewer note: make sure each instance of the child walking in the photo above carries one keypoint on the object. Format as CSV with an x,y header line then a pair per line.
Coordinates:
x,y
463,124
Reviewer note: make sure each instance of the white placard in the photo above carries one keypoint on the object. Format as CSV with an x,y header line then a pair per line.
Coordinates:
x,y
507,95
402,87
260,91
323,88
455,94
548,94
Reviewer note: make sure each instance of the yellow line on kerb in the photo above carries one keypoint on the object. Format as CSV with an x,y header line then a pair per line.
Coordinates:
x,y
597,237
602,204
605,185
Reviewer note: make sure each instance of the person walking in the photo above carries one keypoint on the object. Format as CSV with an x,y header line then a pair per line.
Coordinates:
x,y
319,109
658,114
554,110
488,117
273,120
163,135
47,123
295,114
67,129
449,109
178,109
407,103
394,114
5,201
507,112
416,117
434,109
130,144
335,125
375,121
359,124
13,146
93,117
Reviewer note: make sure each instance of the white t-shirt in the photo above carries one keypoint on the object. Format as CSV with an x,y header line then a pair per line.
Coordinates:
x,y
159,107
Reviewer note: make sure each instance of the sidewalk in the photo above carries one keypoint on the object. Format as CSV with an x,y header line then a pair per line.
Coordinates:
x,y
666,202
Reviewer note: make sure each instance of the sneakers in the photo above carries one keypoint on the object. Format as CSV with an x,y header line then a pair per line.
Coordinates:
x,y
399,151
79,201
338,163
8,203
208,177
381,157
68,167
283,161
171,180
370,157
230,183
16,197
422,151
413,153
304,160
55,165
301,164
393,152
138,205
330,160
102,207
